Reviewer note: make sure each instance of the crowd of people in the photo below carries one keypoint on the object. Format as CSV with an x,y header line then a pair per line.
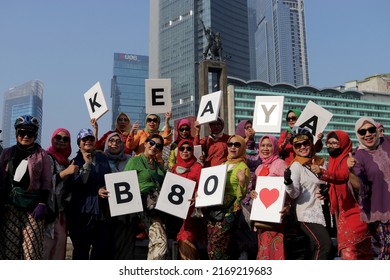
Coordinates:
x,y
46,196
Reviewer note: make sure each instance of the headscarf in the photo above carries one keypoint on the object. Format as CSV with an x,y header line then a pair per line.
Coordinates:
x,y
240,130
128,127
61,156
334,162
183,166
121,155
181,123
220,134
158,123
359,123
308,159
241,151
275,153
297,113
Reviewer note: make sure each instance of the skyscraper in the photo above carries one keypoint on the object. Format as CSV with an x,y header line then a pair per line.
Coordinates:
x,y
280,42
128,86
26,99
177,44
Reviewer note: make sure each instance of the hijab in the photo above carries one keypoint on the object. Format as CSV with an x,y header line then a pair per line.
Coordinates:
x,y
183,122
241,151
158,123
115,159
275,153
61,156
308,159
297,113
183,166
127,130
359,123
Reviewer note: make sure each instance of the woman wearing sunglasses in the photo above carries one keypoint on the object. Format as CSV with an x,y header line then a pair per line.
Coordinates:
x,y
183,131
270,235
151,175
56,232
303,186
286,150
193,229
135,141
25,182
369,171
353,238
221,244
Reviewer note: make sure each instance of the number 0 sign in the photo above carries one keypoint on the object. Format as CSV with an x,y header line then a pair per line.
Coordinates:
x,y
211,187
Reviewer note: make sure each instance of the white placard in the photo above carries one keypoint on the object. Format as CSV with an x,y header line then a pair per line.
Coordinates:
x,y
175,195
158,96
270,201
198,152
209,107
315,118
124,193
96,104
211,188
268,114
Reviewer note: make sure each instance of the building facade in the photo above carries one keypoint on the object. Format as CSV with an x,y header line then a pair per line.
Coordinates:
x,y
280,42
128,86
26,99
179,41
346,106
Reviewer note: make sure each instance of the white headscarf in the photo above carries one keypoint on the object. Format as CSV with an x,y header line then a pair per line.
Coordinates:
x,y
359,123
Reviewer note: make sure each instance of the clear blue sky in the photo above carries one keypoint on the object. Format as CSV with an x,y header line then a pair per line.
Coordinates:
x,y
69,46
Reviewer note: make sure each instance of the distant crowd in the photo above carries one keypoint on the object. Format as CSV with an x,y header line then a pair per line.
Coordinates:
x,y
338,208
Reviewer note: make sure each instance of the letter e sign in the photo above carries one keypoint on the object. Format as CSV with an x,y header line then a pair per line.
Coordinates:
x,y
158,96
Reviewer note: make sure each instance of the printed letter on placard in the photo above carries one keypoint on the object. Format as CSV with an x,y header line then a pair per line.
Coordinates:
x,y
96,103
209,107
268,114
158,96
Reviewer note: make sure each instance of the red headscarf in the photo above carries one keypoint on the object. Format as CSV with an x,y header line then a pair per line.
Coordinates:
x,y
188,162
61,156
335,162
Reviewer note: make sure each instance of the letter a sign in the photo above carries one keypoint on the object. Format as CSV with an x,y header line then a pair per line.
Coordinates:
x,y
96,103
209,107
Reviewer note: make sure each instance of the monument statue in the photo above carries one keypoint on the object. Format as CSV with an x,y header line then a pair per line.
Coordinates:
x,y
214,44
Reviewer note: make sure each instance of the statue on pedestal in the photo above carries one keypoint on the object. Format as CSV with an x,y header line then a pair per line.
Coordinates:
x,y
214,44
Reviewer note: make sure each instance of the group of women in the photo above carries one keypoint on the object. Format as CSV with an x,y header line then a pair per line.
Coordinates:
x,y
45,196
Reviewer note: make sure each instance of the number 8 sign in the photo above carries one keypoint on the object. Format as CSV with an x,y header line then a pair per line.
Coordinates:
x,y
175,195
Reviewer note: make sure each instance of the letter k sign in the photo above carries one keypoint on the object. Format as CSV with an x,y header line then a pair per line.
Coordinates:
x,y
95,101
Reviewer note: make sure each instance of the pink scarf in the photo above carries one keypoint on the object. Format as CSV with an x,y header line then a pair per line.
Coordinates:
x,y
62,157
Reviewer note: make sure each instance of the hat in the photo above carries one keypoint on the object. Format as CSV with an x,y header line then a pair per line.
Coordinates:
x,y
299,134
84,133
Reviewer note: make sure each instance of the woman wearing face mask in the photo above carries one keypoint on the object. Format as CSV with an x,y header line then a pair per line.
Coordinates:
x,y
369,171
303,186
354,240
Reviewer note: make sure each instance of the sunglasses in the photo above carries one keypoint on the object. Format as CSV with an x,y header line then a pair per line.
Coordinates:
x,y
23,133
155,120
88,138
66,139
184,129
185,148
291,119
116,141
299,145
363,131
158,145
235,144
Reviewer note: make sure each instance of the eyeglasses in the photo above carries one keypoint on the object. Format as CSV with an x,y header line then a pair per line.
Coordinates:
x,y
300,144
116,141
65,139
332,143
155,120
158,145
185,148
23,133
123,120
88,138
235,144
363,131
184,129
291,119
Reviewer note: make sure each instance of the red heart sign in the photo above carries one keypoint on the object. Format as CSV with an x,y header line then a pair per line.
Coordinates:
x,y
268,197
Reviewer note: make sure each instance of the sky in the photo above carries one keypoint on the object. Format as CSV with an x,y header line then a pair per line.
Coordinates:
x,y
69,46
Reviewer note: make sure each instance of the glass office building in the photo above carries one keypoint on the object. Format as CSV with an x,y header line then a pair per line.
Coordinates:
x,y
128,86
280,42
26,99
346,106
180,42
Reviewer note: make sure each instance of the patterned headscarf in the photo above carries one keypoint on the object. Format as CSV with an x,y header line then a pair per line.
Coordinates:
x,y
241,151
359,123
61,156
